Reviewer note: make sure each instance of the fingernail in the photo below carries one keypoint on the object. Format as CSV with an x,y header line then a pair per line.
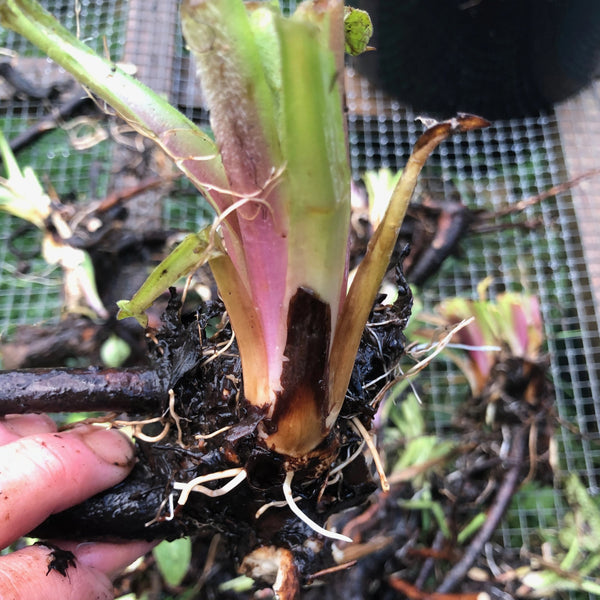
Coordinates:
x,y
110,445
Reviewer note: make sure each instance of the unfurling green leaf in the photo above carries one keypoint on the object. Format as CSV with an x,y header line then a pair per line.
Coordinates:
x,y
195,250
358,30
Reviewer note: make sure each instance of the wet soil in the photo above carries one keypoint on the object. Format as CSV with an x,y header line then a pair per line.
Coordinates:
x,y
207,387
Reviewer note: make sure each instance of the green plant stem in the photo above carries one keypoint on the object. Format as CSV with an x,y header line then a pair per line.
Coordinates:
x,y
150,114
372,269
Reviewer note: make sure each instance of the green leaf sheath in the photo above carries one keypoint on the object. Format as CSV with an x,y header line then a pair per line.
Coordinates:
x,y
234,83
372,269
315,150
280,128
189,255
242,104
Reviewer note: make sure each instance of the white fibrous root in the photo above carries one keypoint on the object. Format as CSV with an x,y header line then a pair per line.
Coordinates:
x,y
169,517
244,199
344,464
275,504
139,434
238,474
438,347
335,474
208,436
287,494
360,428
175,418
224,347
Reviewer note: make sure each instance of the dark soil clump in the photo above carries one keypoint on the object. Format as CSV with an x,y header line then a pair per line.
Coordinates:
x,y
212,429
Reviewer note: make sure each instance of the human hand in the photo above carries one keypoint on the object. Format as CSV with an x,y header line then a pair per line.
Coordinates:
x,y
43,472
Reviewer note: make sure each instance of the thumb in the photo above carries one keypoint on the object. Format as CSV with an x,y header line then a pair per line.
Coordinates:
x,y
25,575
68,571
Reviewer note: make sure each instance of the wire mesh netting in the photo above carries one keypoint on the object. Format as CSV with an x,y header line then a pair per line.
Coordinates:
x,y
538,250
29,289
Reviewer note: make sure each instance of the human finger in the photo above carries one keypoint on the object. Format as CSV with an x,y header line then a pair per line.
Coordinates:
x,y
13,427
46,473
110,558
29,575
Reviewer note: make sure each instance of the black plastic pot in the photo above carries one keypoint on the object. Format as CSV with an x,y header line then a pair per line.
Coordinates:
x,y
496,58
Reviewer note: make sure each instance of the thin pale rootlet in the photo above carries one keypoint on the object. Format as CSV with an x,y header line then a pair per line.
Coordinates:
x,y
207,387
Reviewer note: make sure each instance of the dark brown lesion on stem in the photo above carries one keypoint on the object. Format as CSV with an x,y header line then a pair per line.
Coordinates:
x,y
298,419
